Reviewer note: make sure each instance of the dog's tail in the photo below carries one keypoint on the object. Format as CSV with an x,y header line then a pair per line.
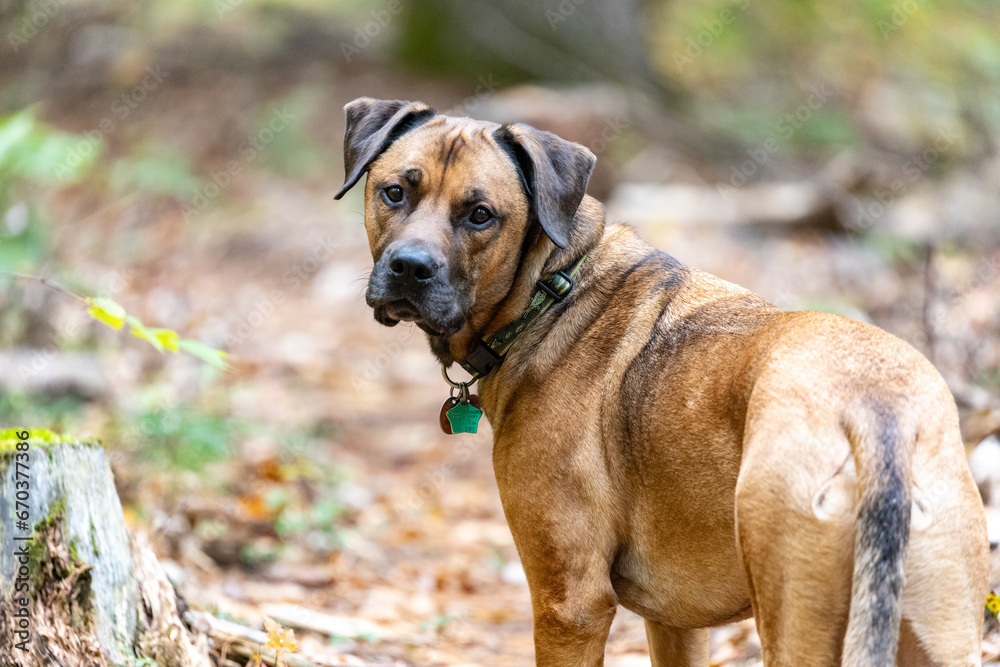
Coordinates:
x,y
881,444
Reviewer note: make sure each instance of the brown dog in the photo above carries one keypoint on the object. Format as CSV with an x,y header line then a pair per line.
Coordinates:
x,y
665,440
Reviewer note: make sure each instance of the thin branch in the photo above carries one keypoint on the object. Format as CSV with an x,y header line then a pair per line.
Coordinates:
x,y
929,298
43,281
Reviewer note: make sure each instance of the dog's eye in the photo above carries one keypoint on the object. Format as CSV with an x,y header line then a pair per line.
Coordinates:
x,y
393,194
480,215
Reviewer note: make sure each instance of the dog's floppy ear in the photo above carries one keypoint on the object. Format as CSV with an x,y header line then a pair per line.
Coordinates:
x,y
556,173
372,126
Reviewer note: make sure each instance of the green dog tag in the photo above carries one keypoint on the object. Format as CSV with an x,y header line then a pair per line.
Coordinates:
x,y
464,417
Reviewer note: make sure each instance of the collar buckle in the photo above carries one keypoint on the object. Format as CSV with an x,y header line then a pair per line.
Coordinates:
x,y
557,284
481,360
487,353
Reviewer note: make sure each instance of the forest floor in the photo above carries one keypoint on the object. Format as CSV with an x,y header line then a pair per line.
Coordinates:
x,y
340,505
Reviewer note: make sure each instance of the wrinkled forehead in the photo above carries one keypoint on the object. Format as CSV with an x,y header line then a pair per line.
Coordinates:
x,y
449,154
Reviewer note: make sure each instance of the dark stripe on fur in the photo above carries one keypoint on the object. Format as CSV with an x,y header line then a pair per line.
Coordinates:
x,y
614,317
522,163
639,378
448,155
649,373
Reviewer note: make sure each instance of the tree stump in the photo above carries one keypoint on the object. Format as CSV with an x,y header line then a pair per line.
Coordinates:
x,y
75,588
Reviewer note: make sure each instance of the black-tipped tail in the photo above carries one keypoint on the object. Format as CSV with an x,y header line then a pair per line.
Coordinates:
x,y
881,453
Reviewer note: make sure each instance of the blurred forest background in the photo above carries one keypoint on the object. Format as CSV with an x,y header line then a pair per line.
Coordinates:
x,y
180,158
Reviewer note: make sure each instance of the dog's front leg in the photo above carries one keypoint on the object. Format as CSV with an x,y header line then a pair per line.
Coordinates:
x,y
571,617
567,552
567,556
563,520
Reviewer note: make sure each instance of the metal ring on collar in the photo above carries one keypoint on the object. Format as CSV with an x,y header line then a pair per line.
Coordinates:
x,y
444,372
463,393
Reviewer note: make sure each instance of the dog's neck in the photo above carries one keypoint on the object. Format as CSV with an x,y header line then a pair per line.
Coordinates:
x,y
538,257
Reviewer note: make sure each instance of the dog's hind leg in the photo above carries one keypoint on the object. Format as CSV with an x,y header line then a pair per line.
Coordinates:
x,y
923,561
942,610
795,531
946,576
674,647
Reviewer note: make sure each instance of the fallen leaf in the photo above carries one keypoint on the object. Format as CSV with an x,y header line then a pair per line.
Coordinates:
x,y
278,637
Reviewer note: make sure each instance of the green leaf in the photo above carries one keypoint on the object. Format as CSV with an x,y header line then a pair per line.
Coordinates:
x,y
13,132
140,331
207,354
107,311
161,173
167,338
67,157
34,151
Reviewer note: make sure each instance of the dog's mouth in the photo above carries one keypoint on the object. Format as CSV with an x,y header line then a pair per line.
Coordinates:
x,y
403,310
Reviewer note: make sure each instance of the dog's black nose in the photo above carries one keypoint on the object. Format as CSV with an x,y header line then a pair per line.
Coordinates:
x,y
412,265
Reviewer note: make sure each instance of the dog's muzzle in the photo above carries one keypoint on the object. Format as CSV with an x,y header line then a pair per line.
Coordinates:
x,y
410,284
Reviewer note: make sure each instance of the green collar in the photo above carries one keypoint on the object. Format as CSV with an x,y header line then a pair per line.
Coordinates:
x,y
488,352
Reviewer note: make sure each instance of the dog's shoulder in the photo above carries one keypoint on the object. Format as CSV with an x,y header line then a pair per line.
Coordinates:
x,y
635,271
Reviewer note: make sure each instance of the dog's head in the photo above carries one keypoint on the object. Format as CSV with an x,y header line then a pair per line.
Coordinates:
x,y
452,206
